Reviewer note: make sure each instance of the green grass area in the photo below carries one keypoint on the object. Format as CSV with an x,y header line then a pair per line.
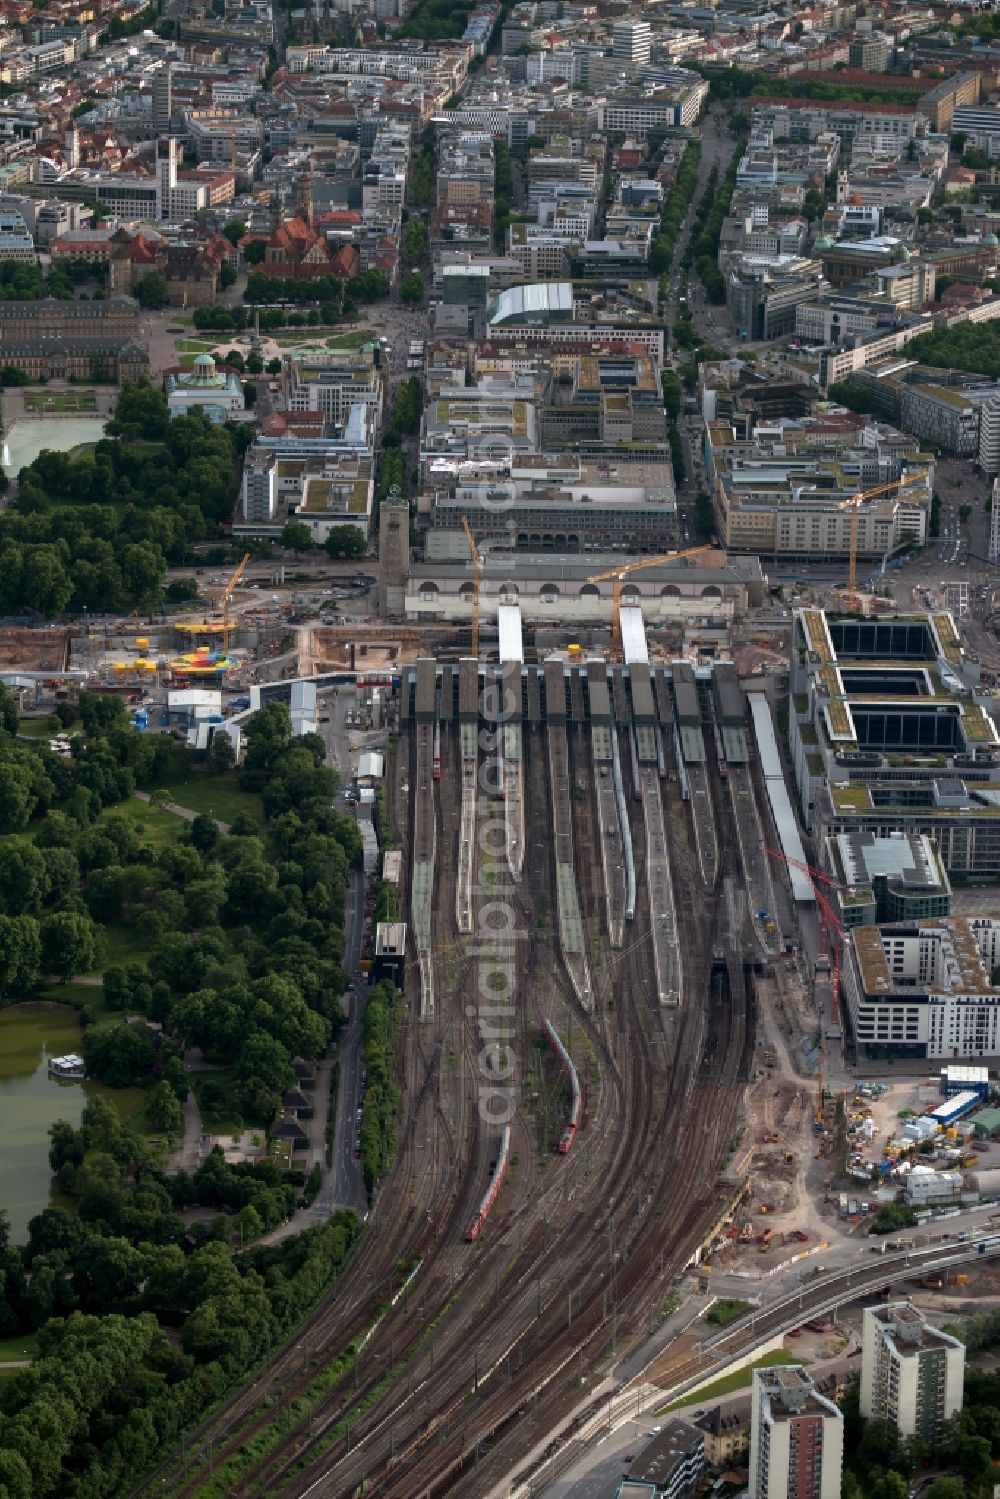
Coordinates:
x,y
60,400
217,796
37,728
351,338
729,1309
741,1379
15,1348
125,943
198,345
154,826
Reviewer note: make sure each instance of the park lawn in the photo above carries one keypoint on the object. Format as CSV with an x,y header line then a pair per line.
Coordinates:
x,y
197,345
125,942
741,1379
37,728
155,827
217,796
15,1348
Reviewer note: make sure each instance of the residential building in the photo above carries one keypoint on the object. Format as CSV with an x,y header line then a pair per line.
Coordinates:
x,y
796,1437
631,40
870,53
989,436
912,1374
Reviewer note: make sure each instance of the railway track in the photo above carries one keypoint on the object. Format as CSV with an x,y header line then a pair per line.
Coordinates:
x,y
456,1357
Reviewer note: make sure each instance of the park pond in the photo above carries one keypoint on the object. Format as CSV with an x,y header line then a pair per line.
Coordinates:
x,y
30,1101
26,439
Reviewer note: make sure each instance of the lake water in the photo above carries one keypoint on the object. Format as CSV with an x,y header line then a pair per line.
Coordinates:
x,y
30,1101
26,439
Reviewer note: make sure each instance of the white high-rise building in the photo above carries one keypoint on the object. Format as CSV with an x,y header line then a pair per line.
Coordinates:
x,y
796,1438
995,523
167,154
911,1373
989,436
632,40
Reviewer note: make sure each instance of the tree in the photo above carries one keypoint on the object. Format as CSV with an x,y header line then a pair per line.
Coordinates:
x,y
69,943
255,364
221,754
890,1486
234,230
163,1110
945,1488
151,292
204,833
974,1459
296,536
273,366
122,1056
253,251
20,953
412,287
346,541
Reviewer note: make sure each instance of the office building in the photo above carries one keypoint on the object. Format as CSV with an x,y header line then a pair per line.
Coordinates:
x,y
995,523
796,1438
670,1467
162,99
911,1373
894,878
924,989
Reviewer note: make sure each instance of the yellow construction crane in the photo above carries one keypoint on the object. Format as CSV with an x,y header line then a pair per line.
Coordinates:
x,y
477,572
227,595
854,504
618,576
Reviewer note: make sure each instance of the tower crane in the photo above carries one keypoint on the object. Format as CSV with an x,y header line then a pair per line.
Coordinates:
x,y
618,576
477,573
831,944
854,504
227,594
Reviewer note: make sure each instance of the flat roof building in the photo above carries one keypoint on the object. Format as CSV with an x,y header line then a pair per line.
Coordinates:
x,y
912,1374
796,1438
924,989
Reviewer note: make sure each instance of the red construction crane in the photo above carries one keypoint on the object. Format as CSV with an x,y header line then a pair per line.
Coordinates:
x,y
831,942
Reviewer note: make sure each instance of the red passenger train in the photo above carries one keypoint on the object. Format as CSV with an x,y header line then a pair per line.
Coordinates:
x,y
493,1190
576,1098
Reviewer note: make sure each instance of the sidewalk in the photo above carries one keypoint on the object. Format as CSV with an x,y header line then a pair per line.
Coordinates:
x,y
186,812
